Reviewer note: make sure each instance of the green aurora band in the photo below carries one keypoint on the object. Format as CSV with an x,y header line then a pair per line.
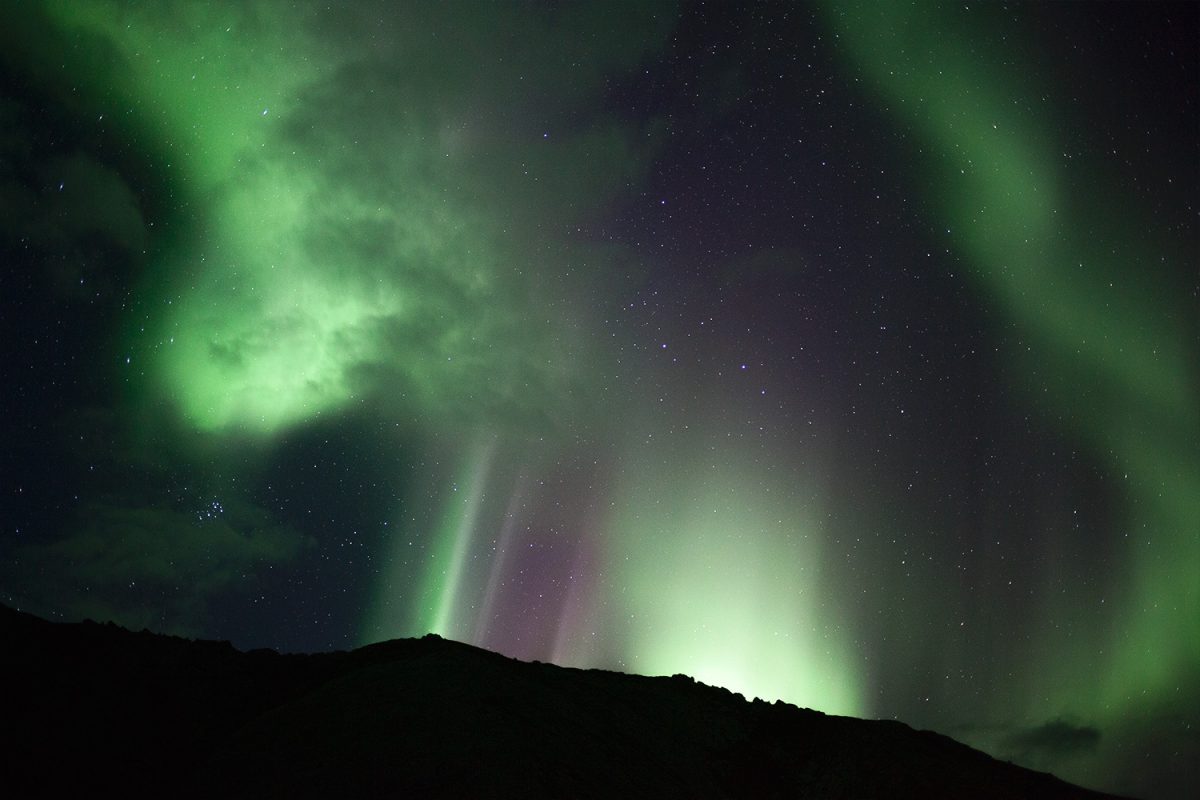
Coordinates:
x,y
1060,265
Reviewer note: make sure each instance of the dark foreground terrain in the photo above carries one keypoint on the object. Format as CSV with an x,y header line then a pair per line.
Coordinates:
x,y
94,709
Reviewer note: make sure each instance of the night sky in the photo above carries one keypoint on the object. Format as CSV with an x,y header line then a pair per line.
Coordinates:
x,y
840,354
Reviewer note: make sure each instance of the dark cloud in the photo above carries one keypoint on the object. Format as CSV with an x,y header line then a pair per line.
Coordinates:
x,y
64,211
154,566
1053,740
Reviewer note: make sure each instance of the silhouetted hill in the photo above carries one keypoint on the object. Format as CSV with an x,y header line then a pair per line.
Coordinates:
x,y
91,708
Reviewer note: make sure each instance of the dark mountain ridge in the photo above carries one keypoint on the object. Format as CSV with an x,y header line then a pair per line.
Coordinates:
x,y
96,708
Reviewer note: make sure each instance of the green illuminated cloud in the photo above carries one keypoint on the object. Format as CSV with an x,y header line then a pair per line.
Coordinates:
x,y
338,255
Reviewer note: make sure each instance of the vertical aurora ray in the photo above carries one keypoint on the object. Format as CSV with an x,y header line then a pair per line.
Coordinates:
x,y
500,561
576,628
508,566
451,548
1082,276
421,589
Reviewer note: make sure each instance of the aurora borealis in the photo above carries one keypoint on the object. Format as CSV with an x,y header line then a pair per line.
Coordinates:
x,y
842,353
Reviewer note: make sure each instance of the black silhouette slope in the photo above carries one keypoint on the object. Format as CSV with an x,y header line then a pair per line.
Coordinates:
x,y
95,708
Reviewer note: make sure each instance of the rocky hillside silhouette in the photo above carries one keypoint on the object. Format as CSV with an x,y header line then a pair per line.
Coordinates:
x,y
93,709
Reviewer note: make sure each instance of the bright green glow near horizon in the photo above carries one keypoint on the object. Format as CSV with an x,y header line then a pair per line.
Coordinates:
x,y
1104,350
724,583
